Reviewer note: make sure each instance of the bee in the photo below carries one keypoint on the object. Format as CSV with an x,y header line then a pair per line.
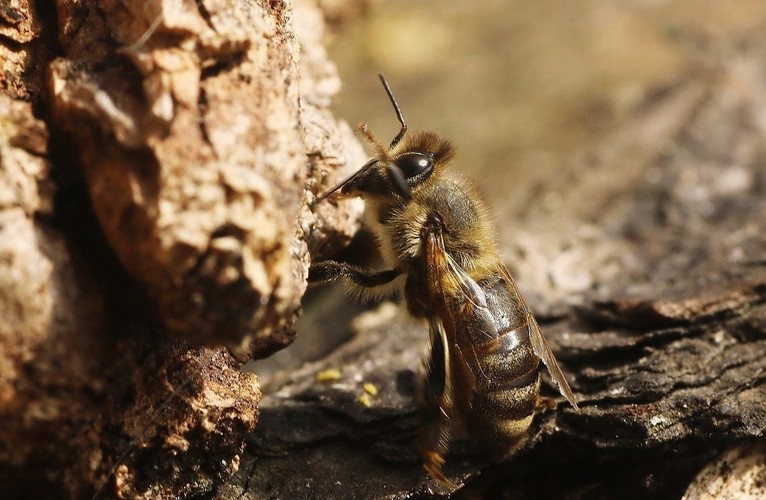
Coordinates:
x,y
482,374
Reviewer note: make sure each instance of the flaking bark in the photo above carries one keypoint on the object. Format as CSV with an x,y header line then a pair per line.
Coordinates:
x,y
157,158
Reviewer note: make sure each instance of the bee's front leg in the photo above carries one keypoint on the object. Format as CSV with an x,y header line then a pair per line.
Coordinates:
x,y
329,270
363,283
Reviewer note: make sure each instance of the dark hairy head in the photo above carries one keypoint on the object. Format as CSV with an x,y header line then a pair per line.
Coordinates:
x,y
399,168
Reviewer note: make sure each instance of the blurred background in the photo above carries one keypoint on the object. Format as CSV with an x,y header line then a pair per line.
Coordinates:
x,y
518,86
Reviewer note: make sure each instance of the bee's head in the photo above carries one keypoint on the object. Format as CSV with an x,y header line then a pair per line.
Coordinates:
x,y
408,170
396,176
399,169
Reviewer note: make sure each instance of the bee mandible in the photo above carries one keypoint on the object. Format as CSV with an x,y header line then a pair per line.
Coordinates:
x,y
437,238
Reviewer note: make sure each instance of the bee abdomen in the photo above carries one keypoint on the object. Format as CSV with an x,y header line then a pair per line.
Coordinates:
x,y
500,417
513,402
508,384
509,362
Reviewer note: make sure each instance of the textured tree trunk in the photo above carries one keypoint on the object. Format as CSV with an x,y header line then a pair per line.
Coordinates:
x,y
155,159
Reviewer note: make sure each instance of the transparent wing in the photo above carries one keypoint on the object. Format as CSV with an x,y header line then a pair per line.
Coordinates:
x,y
448,375
448,280
543,351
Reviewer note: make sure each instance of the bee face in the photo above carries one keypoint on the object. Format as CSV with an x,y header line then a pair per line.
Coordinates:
x,y
398,176
399,171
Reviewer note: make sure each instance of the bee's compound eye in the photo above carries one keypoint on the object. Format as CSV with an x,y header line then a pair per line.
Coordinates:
x,y
414,164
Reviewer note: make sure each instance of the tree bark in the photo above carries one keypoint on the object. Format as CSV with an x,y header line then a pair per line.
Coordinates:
x,y
157,158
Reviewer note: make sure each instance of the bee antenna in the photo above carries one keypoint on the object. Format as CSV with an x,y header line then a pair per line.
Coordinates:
x,y
398,111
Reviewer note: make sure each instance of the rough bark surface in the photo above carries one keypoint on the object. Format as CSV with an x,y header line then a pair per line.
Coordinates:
x,y
168,128
167,211
649,278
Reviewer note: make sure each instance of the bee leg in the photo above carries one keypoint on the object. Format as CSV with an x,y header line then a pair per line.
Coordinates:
x,y
434,433
329,270
433,459
433,464
434,440
436,406
365,284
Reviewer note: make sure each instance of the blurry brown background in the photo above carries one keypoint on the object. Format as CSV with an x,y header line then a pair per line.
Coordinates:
x,y
519,85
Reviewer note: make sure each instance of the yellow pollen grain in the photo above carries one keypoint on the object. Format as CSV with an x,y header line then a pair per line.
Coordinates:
x,y
370,389
329,375
365,400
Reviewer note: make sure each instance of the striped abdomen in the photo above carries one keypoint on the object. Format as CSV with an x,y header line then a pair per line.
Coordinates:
x,y
505,395
506,373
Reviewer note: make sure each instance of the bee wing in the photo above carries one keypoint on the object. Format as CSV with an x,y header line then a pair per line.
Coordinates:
x,y
542,350
447,279
437,390
446,369
458,299
451,291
